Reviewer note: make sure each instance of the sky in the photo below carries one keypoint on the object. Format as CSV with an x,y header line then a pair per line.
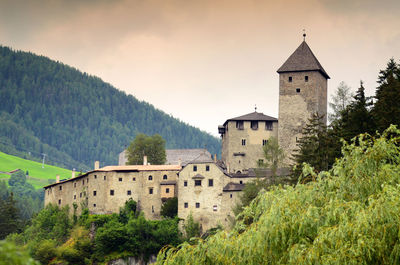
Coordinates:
x,y
204,62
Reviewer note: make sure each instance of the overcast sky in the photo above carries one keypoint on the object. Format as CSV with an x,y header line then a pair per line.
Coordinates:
x,y
206,61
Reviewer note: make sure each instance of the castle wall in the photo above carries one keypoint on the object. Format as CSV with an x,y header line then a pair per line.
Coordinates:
x,y
295,108
239,157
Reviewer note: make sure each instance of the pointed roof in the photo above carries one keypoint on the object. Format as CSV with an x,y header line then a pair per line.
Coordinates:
x,y
303,59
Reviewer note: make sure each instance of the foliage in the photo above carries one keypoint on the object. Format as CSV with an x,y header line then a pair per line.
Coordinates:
x,y
9,219
151,146
340,100
74,118
274,155
11,254
170,208
191,227
249,193
349,215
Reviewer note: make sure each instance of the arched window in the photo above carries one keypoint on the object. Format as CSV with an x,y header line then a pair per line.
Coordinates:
x,y
150,177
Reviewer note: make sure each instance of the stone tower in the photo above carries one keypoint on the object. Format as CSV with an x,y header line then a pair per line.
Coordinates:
x,y
243,139
302,91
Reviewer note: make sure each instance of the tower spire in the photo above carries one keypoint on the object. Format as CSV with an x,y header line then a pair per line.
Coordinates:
x,y
304,35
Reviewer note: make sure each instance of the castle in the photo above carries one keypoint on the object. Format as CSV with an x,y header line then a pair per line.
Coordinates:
x,y
205,187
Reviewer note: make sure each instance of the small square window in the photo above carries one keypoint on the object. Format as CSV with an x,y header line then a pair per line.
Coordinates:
x,y
210,182
150,190
150,177
128,192
165,177
167,190
298,90
290,79
59,202
94,193
306,78
119,179
105,177
133,179
264,142
207,168
243,141
60,187
230,195
194,168
260,162
197,205
94,205
112,192
95,176
186,205
74,196
74,184
185,183
215,208
240,182
80,195
197,182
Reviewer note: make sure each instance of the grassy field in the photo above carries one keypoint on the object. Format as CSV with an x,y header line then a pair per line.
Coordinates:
x,y
38,176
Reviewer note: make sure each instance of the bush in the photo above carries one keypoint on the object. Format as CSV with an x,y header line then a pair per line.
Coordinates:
x,y
170,208
45,251
10,254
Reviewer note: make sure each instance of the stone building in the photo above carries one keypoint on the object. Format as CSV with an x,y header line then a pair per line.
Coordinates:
x,y
243,138
303,85
106,189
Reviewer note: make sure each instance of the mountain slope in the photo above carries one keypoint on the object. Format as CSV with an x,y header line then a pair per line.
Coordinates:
x,y
76,118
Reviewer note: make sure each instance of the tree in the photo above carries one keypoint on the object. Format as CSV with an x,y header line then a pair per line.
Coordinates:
x,y
340,101
170,208
273,154
386,110
191,227
151,146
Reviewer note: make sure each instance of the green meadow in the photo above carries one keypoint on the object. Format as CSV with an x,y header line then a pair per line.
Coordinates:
x,y
38,176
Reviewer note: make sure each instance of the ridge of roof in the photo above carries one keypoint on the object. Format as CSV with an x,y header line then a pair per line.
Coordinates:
x,y
253,116
302,59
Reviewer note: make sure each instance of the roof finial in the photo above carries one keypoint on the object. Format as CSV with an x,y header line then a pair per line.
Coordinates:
x,y
255,107
304,35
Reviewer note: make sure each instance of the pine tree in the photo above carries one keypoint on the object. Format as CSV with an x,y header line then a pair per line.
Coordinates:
x,y
386,110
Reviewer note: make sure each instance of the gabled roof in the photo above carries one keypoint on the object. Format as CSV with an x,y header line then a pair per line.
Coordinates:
x,y
185,156
233,187
303,59
254,116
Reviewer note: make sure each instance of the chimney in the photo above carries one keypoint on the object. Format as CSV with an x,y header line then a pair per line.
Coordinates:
x,y
215,158
57,178
73,173
96,165
144,160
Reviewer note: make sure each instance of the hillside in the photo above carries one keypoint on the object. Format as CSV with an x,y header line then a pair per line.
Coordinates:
x,y
74,118
38,176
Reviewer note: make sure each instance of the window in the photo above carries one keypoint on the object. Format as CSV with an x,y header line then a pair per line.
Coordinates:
x,y
239,125
87,180
207,168
80,195
215,208
260,162
95,176
83,182
298,90
167,190
265,142
150,190
133,179
74,196
185,183
94,193
268,125
210,182
74,184
165,177
152,208
112,192
119,179
194,168
306,78
241,182
60,187
186,205
59,202
128,192
243,141
230,195
290,79
105,177
150,177
94,205
197,205
84,193
254,125
197,182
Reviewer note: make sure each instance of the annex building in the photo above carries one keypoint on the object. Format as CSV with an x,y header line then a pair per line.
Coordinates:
x,y
205,187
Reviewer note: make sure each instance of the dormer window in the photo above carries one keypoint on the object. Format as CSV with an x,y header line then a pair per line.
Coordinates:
x,y
239,125
268,125
254,125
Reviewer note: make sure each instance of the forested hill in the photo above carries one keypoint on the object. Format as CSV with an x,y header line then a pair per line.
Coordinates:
x,y
74,118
